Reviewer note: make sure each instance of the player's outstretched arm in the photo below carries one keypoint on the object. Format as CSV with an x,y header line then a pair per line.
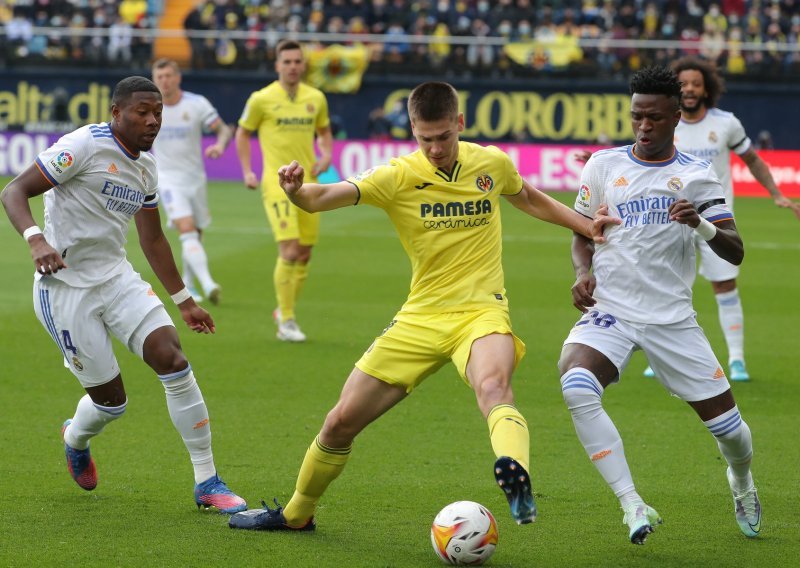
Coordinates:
x,y
722,236
542,206
314,197
15,196
760,171
159,255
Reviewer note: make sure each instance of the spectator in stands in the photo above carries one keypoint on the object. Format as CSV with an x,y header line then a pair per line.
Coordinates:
x,y
435,19
201,19
19,31
396,46
378,126
119,41
481,55
398,118
764,141
142,44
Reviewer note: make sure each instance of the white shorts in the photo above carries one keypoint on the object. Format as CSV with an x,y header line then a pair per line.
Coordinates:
x,y
80,320
186,202
679,353
712,267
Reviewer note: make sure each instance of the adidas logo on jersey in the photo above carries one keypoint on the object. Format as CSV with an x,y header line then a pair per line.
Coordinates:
x,y
112,169
718,374
621,182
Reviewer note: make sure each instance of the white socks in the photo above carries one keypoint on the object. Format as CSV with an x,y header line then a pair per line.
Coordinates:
x,y
600,438
190,417
731,318
194,255
89,421
188,275
736,444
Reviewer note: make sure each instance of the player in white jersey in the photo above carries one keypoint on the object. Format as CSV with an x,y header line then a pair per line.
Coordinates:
x,y
95,180
181,172
712,134
635,293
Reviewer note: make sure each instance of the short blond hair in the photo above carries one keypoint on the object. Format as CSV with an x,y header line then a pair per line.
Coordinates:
x,y
166,62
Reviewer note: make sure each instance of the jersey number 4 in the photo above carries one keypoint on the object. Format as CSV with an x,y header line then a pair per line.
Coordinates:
x,y
68,345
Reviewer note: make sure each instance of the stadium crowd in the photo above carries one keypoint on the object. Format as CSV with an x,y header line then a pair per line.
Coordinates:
x,y
545,33
68,37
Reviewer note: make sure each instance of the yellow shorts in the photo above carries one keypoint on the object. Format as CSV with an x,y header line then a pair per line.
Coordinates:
x,y
288,221
415,346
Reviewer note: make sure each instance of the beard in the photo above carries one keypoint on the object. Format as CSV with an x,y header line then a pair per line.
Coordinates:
x,y
694,108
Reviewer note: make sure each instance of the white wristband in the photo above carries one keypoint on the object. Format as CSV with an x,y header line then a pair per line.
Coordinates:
x,y
31,231
181,296
706,230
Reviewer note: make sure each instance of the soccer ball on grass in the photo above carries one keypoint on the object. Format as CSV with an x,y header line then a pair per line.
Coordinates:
x,y
464,532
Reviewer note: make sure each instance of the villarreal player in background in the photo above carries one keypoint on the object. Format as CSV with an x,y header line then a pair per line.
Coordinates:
x,y
287,114
444,201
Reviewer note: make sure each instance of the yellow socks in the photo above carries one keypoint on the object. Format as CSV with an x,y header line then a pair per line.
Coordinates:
x,y
320,467
285,287
508,431
299,278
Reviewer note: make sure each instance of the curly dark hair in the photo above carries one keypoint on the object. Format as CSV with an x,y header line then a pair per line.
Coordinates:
x,y
713,81
656,80
128,86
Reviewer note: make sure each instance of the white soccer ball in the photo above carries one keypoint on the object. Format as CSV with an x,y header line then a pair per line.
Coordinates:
x,y
464,532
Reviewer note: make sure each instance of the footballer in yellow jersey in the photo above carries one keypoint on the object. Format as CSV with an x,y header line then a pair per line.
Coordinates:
x,y
444,202
449,224
287,115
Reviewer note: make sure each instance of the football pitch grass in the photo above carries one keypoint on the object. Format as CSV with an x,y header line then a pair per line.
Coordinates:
x,y
267,400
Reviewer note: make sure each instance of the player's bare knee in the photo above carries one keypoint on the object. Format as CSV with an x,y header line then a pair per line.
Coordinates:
x,y
338,431
494,389
567,360
110,394
162,351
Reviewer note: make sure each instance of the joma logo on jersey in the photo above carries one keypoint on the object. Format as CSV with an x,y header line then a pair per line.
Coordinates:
x,y
484,182
295,121
455,208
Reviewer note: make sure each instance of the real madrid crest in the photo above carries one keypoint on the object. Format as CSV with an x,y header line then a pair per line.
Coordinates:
x,y
712,136
77,363
675,184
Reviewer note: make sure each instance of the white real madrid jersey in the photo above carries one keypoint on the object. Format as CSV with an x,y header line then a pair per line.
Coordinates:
x,y
178,150
645,269
99,185
713,138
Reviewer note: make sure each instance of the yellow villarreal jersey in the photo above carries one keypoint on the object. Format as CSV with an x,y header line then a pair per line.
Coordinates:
x,y
286,126
449,224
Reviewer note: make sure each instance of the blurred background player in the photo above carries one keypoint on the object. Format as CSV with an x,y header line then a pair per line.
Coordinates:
x,y
635,292
181,172
444,201
287,114
95,180
711,134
